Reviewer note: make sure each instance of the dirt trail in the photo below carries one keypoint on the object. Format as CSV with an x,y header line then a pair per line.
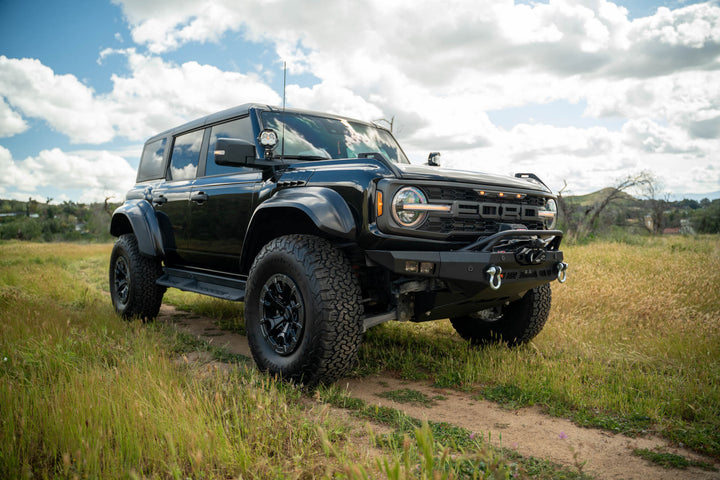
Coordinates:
x,y
607,455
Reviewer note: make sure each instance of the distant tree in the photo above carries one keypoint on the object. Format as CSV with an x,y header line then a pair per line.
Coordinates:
x,y
686,203
707,219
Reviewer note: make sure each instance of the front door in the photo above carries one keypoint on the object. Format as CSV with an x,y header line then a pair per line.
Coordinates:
x,y
221,204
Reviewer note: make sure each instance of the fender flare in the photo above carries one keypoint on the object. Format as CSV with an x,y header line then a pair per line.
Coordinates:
x,y
326,208
140,217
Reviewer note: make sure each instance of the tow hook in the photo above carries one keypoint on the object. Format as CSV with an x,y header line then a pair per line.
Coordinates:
x,y
561,271
495,276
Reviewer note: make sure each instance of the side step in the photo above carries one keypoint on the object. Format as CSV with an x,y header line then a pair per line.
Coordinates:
x,y
204,283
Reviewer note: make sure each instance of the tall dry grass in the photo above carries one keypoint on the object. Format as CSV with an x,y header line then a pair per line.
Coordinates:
x,y
632,344
84,394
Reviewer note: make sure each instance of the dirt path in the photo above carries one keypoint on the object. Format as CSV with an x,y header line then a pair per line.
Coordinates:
x,y
607,455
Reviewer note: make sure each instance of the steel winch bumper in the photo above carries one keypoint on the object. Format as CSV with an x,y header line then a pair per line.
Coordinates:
x,y
514,256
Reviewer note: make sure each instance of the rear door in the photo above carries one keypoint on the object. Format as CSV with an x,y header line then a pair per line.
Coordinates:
x,y
172,198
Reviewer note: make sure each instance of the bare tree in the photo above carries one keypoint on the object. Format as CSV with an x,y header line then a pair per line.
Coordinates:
x,y
106,207
580,222
566,211
652,191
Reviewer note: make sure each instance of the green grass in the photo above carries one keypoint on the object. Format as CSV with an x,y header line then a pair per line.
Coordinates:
x,y
84,394
632,345
408,395
457,451
671,460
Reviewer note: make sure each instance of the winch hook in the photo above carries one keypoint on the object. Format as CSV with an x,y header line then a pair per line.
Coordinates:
x,y
495,274
561,271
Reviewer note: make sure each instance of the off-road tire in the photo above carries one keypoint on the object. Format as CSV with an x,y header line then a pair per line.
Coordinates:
x,y
514,324
132,275
311,271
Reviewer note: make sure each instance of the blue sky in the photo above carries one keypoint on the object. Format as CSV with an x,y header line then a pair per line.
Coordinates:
x,y
583,92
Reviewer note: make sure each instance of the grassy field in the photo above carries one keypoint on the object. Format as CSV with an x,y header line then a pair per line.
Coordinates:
x,y
632,345
85,395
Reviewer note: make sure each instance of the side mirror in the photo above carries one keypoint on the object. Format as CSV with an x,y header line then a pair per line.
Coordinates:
x,y
434,159
234,152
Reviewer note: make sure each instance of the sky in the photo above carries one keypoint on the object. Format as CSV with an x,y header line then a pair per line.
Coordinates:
x,y
582,93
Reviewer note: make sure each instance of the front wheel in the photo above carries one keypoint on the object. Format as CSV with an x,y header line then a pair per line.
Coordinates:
x,y
514,324
133,289
303,311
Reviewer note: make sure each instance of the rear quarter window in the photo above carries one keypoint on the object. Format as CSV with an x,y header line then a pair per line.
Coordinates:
x,y
151,162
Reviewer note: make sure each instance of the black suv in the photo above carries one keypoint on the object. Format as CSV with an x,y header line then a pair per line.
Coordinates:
x,y
321,225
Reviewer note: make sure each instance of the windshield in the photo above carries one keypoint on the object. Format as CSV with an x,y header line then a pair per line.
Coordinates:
x,y
316,137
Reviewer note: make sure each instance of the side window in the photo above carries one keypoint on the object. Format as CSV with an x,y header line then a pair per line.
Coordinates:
x,y
240,128
151,162
185,156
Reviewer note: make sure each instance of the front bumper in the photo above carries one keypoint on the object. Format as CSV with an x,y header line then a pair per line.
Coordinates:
x,y
494,261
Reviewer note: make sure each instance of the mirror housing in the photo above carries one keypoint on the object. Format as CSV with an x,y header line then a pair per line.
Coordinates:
x,y
234,152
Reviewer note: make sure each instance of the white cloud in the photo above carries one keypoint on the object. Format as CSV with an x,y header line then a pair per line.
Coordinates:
x,y
95,174
62,100
157,95
10,122
436,68
333,99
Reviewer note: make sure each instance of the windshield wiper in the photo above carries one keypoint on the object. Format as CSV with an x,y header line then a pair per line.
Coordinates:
x,y
302,157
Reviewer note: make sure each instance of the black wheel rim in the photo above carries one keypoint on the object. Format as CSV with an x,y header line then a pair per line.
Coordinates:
x,y
282,314
122,283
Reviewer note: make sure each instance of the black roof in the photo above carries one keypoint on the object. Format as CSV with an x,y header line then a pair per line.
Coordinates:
x,y
239,111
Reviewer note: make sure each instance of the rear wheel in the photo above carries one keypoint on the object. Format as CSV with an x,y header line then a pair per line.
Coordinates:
x,y
302,310
514,324
133,289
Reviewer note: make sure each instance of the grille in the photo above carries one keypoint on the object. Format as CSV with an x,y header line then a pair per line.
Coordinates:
x,y
475,214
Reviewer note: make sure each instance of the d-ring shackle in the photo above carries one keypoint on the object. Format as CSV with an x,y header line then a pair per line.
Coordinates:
x,y
495,276
561,271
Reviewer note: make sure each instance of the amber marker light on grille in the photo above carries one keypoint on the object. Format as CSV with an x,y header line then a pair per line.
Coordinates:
x,y
501,194
379,204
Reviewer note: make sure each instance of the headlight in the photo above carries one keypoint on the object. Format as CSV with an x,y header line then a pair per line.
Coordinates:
x,y
404,206
549,214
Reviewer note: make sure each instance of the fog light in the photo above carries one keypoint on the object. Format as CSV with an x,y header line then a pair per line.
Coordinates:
x,y
411,266
427,267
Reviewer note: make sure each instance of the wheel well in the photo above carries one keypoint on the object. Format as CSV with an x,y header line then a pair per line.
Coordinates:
x,y
120,225
272,223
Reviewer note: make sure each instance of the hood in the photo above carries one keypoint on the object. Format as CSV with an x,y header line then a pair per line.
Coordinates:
x,y
424,172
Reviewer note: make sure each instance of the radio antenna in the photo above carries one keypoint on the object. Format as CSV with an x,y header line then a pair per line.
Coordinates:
x,y
282,147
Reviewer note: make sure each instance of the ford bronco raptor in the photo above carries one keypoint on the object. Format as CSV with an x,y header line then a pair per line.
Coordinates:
x,y
321,225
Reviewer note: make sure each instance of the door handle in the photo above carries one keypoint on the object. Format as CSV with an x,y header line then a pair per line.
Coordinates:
x,y
159,200
199,197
